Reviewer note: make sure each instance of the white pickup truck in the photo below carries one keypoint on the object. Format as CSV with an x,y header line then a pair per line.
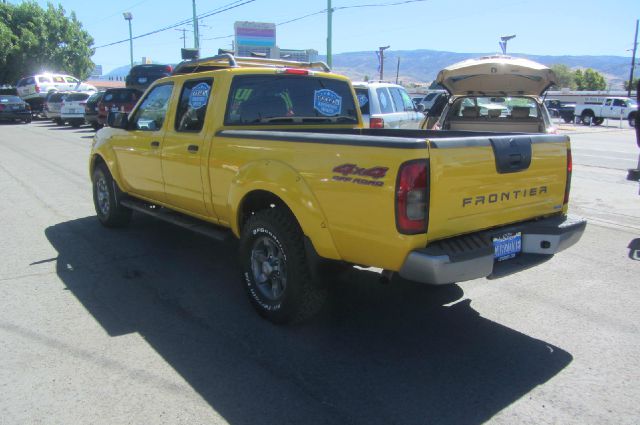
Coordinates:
x,y
595,109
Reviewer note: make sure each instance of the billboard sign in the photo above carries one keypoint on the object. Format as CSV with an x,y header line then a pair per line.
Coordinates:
x,y
258,34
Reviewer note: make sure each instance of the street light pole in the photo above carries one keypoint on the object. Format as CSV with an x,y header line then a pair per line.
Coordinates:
x,y
128,16
196,34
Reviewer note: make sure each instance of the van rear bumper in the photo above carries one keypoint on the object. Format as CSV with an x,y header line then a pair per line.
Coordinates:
x,y
471,256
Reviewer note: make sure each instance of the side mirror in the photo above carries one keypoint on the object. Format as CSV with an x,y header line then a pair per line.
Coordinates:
x,y
420,107
118,120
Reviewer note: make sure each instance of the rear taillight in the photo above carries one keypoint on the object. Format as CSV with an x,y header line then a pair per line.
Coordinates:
x,y
168,68
412,197
376,123
37,88
567,187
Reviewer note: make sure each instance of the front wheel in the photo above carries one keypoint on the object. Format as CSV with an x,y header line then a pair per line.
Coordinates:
x,y
598,121
106,199
275,269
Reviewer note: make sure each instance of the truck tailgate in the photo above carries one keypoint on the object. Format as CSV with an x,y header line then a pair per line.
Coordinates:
x,y
484,182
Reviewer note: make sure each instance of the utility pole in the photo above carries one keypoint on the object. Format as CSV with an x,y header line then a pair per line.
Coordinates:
x,y
329,18
196,35
398,70
184,36
633,60
381,57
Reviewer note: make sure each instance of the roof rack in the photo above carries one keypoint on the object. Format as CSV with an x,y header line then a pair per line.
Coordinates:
x,y
227,60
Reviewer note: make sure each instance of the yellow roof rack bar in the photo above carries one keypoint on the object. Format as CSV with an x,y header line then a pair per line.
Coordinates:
x,y
227,60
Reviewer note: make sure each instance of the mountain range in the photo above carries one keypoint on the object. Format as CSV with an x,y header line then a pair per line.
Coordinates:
x,y
422,66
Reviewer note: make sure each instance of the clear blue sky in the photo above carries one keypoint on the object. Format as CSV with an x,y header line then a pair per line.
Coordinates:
x,y
584,27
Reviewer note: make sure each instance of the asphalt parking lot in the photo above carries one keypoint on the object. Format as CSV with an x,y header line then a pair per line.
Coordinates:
x,y
150,324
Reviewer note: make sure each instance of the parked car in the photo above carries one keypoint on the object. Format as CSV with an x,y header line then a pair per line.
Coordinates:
x,y
386,105
91,110
559,109
12,108
72,109
496,93
141,76
430,98
594,110
35,89
52,106
117,100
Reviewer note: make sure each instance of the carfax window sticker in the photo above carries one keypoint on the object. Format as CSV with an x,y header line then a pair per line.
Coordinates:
x,y
362,99
327,102
199,95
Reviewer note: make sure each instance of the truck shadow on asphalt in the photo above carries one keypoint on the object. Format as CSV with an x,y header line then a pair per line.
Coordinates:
x,y
377,354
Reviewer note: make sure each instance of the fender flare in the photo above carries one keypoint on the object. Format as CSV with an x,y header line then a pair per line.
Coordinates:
x,y
287,184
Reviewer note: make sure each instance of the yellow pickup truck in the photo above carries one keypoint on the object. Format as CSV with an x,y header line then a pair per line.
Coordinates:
x,y
273,153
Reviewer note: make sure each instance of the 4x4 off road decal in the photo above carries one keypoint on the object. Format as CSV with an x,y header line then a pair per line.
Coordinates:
x,y
363,176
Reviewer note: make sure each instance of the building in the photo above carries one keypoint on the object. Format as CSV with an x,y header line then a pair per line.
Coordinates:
x,y
259,39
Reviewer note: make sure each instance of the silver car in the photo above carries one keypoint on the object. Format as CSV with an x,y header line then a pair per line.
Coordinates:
x,y
386,105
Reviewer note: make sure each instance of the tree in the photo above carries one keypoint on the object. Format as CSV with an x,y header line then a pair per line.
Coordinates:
x,y
564,76
34,40
634,84
589,80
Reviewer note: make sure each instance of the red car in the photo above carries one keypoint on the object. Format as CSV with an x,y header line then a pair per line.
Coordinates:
x,y
117,100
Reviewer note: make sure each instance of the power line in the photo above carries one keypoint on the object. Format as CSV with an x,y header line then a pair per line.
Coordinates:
x,y
229,6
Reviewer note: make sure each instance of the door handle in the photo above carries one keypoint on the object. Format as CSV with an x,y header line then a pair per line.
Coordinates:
x,y
155,144
192,148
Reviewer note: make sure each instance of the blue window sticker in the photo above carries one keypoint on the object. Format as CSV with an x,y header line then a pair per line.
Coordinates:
x,y
327,102
199,95
362,99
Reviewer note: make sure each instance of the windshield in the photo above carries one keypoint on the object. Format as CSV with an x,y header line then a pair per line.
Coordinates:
x,y
632,102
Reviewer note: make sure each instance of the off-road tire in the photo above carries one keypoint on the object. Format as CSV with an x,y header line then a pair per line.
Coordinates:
x,y
298,298
106,199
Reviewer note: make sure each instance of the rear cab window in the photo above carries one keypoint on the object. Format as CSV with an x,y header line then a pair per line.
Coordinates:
x,y
281,99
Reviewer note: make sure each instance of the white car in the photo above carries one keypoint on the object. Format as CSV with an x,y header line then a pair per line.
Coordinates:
x,y
72,110
496,93
386,105
39,86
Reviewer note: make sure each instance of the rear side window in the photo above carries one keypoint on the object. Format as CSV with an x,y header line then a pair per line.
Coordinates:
x,y
363,100
121,96
384,98
192,108
283,99
74,97
44,79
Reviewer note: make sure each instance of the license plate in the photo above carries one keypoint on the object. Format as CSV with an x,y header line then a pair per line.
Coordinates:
x,y
142,80
507,245
114,109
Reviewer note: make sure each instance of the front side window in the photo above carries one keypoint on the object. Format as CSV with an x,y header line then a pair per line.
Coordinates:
x,y
71,80
151,114
619,102
282,99
192,108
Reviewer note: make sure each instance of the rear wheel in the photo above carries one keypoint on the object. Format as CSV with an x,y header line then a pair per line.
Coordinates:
x,y
275,269
106,199
632,120
586,117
